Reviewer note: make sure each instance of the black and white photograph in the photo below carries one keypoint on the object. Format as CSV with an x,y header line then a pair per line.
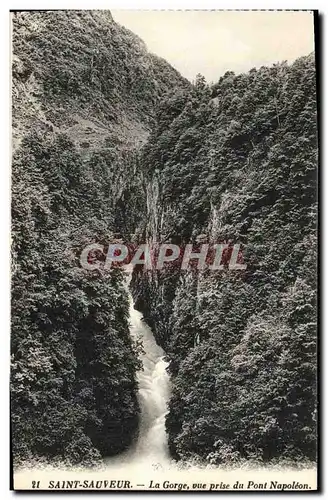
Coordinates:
x,y
164,250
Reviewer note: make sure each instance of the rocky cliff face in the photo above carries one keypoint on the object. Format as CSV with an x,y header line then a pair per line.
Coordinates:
x,y
80,74
236,163
109,138
85,92
91,77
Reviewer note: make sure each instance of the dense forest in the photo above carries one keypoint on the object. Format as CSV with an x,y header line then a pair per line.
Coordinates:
x,y
84,94
236,162
108,139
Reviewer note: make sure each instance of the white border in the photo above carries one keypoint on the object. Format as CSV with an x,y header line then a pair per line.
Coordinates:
x,y
5,148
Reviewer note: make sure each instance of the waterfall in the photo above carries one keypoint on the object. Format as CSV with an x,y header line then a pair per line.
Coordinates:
x,y
153,394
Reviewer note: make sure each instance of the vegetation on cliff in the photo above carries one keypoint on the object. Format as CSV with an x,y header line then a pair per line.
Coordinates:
x,y
237,162
232,162
84,94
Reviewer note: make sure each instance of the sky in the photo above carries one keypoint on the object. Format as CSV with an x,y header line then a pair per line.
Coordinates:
x,y
213,42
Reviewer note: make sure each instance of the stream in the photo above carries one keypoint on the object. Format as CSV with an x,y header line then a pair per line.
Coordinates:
x,y
151,446
153,394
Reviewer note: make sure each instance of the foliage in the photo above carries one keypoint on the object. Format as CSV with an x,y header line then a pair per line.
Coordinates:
x,y
84,94
73,363
237,162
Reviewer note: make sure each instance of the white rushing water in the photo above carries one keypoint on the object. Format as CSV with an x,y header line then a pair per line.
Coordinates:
x,y
147,462
151,446
153,394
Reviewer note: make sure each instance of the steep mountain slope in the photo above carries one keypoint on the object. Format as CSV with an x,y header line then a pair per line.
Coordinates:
x,y
237,162
234,162
84,96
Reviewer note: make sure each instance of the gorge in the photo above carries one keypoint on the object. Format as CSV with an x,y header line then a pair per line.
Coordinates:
x,y
110,143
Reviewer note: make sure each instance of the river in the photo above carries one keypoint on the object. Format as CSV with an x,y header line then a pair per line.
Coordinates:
x,y
151,446
148,461
153,394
